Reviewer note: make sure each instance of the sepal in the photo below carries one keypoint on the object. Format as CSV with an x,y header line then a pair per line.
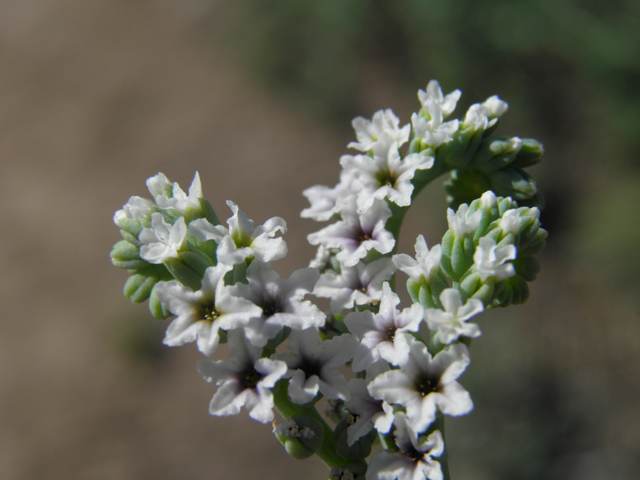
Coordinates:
x,y
360,449
127,255
301,436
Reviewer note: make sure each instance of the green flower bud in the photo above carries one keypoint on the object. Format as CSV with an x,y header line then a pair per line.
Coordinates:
x,y
513,182
530,153
126,255
156,308
465,185
496,153
301,436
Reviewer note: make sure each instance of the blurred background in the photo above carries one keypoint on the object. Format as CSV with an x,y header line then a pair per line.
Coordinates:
x,y
258,95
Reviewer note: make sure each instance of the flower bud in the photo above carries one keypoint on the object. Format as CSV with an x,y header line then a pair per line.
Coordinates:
x,y
127,255
495,153
530,153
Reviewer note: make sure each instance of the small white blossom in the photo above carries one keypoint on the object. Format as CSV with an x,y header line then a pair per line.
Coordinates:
x,y
495,107
367,412
385,174
281,302
434,95
369,131
136,209
452,322
357,233
159,185
201,314
179,200
325,201
241,239
426,262
383,335
163,240
359,285
510,222
414,461
435,131
424,384
493,262
245,380
461,222
313,366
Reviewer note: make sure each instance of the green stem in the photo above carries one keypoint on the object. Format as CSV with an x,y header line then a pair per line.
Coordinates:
x,y
444,459
286,408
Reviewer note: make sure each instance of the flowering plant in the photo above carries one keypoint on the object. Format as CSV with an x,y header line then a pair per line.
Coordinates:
x,y
285,353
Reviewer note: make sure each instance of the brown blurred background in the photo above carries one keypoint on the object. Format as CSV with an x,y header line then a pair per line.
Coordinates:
x,y
257,96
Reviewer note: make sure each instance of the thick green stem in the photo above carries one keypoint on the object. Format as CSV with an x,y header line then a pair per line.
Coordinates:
x,y
286,408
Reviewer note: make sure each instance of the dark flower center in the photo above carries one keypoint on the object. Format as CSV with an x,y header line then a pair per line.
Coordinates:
x,y
390,333
310,367
427,384
249,377
210,313
271,306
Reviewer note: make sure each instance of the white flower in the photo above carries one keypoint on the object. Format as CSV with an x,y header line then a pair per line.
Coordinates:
x,y
461,222
426,262
313,366
369,131
491,261
367,412
434,132
179,200
356,233
281,302
434,95
495,107
382,335
241,239
163,240
201,314
325,201
385,174
451,323
424,384
136,209
159,185
414,461
243,381
510,222
359,285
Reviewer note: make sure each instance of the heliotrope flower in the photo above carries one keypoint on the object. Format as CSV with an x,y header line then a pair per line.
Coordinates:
x,y
241,239
163,240
426,262
425,384
367,412
325,201
137,209
452,322
313,366
368,132
434,96
201,314
244,380
178,200
281,302
383,335
358,285
414,461
433,131
357,233
385,174
492,261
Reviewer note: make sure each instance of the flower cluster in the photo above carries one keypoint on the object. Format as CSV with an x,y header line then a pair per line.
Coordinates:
x,y
218,285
